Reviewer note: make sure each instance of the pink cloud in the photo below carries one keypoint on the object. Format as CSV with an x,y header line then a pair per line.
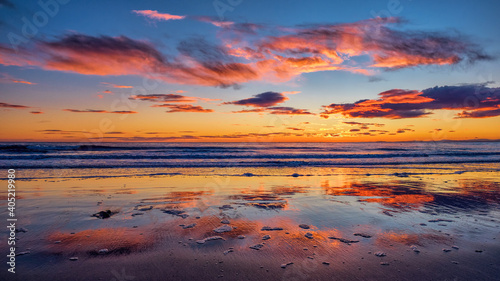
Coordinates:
x,y
155,15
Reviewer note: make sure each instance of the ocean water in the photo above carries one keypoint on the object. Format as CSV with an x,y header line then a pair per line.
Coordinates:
x,y
227,155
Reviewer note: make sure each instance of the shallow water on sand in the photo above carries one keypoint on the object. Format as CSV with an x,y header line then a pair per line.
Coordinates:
x,y
430,223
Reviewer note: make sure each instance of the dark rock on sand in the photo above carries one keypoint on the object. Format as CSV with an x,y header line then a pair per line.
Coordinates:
x,y
384,263
226,207
225,221
309,235
327,263
241,236
73,258
387,213
211,238
22,229
364,235
439,220
266,237
104,214
145,208
304,226
284,265
268,228
343,240
380,254
179,213
137,214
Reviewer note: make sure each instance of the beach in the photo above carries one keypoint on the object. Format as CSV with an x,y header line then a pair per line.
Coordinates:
x,y
202,220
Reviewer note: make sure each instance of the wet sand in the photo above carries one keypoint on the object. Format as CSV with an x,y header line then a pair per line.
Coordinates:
x,y
324,224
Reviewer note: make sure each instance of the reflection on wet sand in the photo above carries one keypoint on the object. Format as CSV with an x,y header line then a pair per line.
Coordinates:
x,y
293,230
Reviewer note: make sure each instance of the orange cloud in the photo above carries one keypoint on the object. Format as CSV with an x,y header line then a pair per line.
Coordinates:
x,y
36,112
248,53
157,16
100,111
183,108
7,78
7,105
476,101
117,86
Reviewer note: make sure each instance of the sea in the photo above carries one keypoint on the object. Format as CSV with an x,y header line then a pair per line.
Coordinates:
x,y
57,155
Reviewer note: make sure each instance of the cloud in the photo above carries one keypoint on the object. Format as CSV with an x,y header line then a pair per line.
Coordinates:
x,y
100,111
36,112
288,111
164,98
215,22
8,105
184,108
277,110
7,78
153,14
475,101
117,86
249,52
352,123
262,100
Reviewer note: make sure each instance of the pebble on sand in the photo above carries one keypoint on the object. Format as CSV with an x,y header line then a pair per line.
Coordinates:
x,y
284,265
327,263
103,251
266,237
225,221
309,235
145,208
380,254
211,238
268,228
224,228
384,263
226,207
73,258
257,246
241,236
455,247
446,250
228,251
304,226
415,248
137,214
189,226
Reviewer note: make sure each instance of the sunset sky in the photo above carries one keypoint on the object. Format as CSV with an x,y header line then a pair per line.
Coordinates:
x,y
239,70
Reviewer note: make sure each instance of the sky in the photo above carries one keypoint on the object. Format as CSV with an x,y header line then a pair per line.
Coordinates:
x,y
242,71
